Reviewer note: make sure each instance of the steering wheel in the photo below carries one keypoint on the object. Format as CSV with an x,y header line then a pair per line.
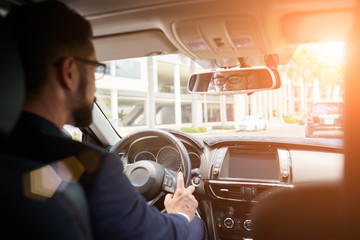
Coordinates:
x,y
148,177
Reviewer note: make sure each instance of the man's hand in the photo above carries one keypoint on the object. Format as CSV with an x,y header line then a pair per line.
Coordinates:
x,y
182,200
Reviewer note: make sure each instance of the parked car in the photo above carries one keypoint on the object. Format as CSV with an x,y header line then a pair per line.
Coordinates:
x,y
327,116
251,123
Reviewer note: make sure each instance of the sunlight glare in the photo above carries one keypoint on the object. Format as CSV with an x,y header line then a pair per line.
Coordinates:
x,y
331,53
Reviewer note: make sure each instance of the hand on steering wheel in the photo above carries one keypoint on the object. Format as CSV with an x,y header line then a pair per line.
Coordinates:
x,y
182,201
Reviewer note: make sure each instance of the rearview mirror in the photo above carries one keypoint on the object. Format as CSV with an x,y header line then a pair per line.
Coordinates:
x,y
238,81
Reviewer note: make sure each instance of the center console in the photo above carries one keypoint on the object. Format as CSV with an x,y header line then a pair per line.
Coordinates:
x,y
240,175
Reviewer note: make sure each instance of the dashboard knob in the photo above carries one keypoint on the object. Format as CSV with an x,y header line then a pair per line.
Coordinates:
x,y
196,181
228,222
248,225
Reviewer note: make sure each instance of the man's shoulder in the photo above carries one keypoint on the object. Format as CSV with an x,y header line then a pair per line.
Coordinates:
x,y
69,145
48,148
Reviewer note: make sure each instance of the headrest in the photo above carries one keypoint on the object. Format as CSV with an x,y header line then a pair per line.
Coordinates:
x,y
12,83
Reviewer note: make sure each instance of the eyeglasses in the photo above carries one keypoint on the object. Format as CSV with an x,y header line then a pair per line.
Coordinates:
x,y
100,70
232,80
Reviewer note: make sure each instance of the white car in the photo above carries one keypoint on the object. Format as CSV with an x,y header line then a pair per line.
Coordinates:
x,y
251,123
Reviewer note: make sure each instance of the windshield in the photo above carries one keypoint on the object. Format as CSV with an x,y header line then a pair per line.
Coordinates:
x,y
151,92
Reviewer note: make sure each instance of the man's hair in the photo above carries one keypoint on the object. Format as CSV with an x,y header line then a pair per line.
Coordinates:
x,y
46,33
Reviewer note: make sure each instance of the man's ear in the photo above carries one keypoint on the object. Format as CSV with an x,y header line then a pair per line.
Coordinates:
x,y
69,74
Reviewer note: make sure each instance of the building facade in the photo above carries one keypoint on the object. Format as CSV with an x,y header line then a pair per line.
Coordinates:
x,y
152,92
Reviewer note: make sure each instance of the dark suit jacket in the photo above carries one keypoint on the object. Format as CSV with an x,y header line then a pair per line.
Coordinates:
x,y
117,211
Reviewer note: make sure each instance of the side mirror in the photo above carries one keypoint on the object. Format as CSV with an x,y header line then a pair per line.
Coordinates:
x,y
238,81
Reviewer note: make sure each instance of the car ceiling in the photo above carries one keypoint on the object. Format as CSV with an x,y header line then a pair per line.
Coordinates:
x,y
209,31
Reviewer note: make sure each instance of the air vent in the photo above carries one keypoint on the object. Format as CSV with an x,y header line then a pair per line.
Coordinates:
x,y
230,192
239,192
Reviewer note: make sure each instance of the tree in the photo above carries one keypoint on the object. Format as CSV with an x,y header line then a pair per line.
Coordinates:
x,y
324,62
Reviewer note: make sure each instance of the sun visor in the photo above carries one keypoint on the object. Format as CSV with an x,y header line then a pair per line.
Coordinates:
x,y
119,46
310,27
220,37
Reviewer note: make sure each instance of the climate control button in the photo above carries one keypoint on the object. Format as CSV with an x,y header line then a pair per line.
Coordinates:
x,y
228,223
248,225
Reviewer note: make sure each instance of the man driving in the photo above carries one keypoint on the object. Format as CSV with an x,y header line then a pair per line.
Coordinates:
x,y
59,63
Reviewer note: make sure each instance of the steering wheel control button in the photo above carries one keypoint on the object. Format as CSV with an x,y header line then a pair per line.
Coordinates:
x,y
169,181
229,223
248,224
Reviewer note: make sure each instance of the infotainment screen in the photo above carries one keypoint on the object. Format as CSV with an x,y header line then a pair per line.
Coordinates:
x,y
251,164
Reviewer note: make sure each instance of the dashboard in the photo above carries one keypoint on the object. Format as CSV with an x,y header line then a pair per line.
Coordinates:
x,y
241,173
231,174
244,170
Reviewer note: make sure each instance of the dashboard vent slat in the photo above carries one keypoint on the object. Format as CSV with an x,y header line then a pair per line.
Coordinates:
x,y
238,192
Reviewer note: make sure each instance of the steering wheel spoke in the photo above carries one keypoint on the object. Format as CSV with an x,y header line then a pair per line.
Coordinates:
x,y
154,201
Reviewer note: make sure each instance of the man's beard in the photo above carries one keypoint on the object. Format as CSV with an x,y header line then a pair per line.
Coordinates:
x,y
82,114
